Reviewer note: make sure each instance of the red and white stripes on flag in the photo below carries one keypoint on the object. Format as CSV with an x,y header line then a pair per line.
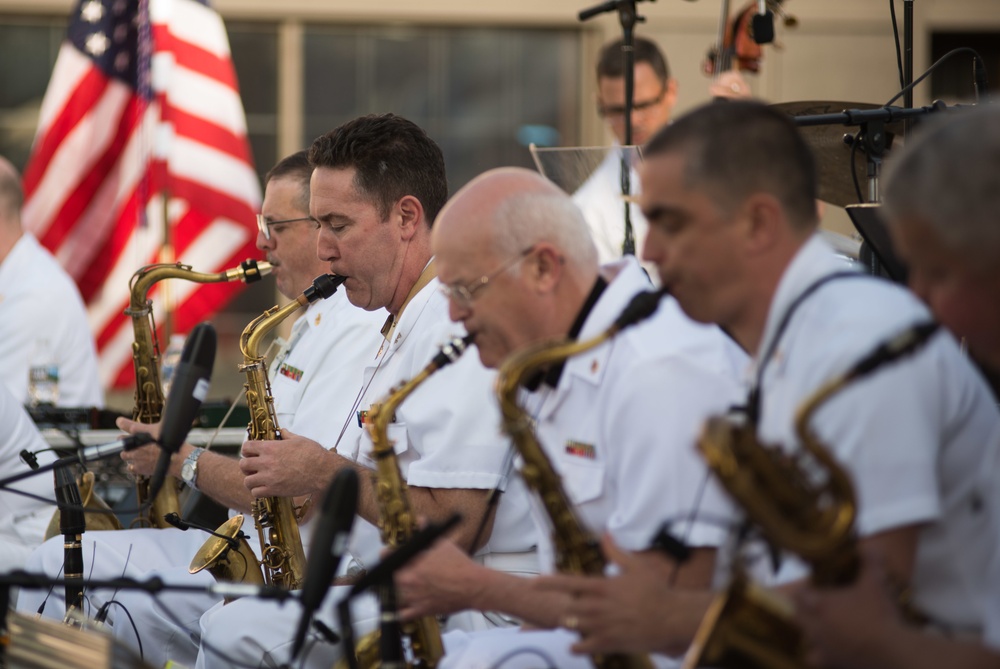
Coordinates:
x,y
143,106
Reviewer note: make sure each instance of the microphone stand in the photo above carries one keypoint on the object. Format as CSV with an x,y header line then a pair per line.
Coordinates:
x,y
87,454
627,17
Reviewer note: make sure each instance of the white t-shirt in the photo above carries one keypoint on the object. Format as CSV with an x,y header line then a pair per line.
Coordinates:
x,y
39,301
621,425
447,433
919,437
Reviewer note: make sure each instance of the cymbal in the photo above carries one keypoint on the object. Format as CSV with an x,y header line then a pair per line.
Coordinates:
x,y
832,154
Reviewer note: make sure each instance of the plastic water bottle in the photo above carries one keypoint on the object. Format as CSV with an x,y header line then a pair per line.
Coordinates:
x,y
171,357
43,375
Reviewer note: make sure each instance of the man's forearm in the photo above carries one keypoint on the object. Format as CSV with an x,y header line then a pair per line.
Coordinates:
x,y
219,477
517,596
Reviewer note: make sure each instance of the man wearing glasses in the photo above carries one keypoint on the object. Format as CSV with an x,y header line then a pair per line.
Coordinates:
x,y
329,344
654,95
617,421
377,185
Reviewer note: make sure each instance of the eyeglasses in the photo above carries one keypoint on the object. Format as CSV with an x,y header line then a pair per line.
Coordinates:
x,y
463,294
618,111
264,225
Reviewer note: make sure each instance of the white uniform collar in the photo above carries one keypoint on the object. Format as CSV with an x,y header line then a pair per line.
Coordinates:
x,y
626,279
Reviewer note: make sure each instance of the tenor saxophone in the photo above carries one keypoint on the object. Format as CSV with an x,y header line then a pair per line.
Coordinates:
x,y
797,511
282,561
148,403
577,550
396,522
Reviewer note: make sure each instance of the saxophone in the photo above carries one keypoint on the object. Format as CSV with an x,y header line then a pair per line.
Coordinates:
x,y
396,522
148,403
577,550
282,557
748,626
149,391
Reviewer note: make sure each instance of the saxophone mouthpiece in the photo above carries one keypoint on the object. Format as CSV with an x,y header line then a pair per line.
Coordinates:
x,y
324,286
253,270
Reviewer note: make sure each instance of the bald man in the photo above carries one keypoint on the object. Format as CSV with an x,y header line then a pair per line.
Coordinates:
x,y
617,422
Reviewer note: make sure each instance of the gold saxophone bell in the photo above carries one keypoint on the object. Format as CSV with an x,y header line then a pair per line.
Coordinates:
x,y
223,562
99,517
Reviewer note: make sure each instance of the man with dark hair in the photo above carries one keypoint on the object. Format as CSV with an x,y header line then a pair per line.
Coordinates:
x,y
328,345
377,183
735,243
43,320
941,196
654,96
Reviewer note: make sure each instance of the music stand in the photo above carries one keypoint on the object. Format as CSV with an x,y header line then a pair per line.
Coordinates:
x,y
868,221
571,167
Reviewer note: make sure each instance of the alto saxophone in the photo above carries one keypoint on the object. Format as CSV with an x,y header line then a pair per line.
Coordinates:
x,y
748,626
282,557
148,403
396,522
576,549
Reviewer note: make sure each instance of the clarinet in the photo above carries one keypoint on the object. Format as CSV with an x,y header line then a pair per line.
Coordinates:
x,y
71,526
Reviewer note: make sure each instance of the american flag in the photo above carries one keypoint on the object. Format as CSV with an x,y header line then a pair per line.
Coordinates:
x,y
141,121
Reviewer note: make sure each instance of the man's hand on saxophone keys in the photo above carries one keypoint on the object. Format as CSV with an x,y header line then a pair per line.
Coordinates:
x,y
141,461
292,466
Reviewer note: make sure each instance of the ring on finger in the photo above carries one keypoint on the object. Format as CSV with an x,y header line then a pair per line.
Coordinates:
x,y
571,622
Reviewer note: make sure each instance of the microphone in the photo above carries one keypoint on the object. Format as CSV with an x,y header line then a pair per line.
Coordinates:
x,y
378,575
184,526
399,558
762,24
188,387
72,524
187,391
329,544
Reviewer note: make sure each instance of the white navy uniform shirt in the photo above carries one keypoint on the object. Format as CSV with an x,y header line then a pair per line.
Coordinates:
x,y
600,200
620,427
919,437
447,432
38,300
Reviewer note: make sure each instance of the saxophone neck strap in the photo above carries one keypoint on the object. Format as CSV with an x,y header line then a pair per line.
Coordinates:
x,y
754,399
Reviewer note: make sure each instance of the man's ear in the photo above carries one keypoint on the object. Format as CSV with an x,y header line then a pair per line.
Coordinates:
x,y
545,267
764,222
409,216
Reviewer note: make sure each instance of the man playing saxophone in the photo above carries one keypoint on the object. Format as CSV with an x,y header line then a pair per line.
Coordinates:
x,y
378,183
616,422
941,196
329,342
729,192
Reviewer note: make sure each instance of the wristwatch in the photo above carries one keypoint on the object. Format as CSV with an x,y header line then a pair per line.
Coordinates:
x,y
189,470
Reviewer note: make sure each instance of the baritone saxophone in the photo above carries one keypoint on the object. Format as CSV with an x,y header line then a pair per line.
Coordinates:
x,y
796,510
577,550
396,522
283,560
148,405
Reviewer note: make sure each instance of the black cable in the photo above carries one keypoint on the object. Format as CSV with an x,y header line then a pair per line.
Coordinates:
x,y
538,652
691,517
927,72
135,628
895,36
